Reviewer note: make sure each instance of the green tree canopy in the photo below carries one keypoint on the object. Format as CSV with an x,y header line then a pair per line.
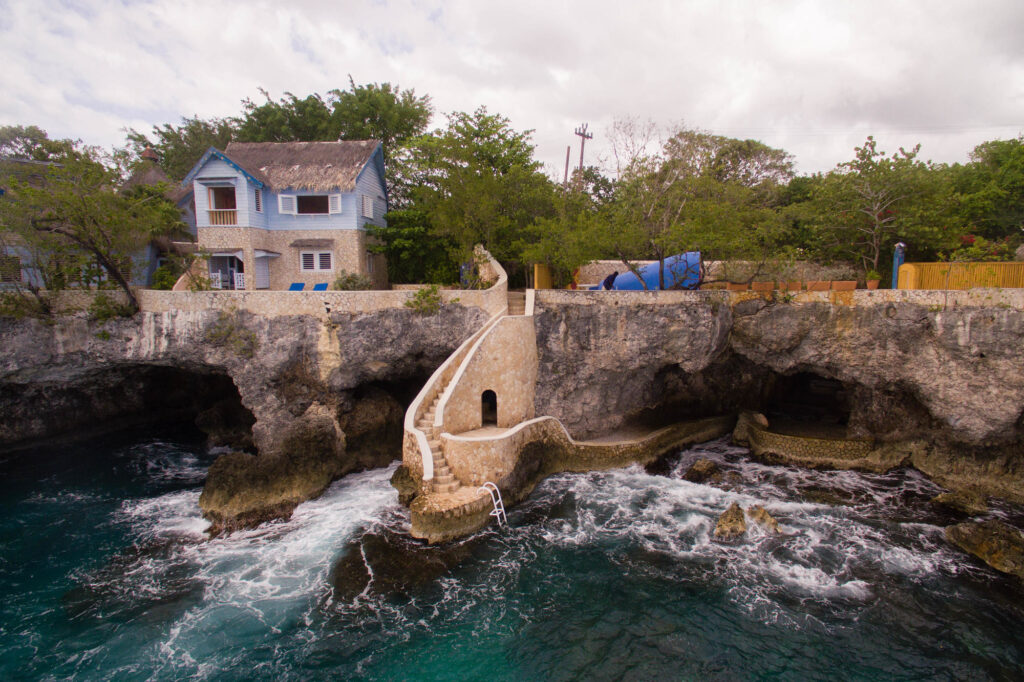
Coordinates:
x,y
180,147
868,203
477,182
990,189
72,217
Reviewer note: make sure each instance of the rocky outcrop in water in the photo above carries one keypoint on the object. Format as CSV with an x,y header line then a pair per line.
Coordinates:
x,y
310,397
731,525
940,389
997,544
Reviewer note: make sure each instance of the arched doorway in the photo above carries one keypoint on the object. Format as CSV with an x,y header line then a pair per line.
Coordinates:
x,y
489,408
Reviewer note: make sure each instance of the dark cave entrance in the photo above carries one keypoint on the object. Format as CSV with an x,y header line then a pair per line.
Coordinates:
x,y
195,402
806,404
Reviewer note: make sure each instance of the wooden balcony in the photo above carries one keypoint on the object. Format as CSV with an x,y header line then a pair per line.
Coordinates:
x,y
223,216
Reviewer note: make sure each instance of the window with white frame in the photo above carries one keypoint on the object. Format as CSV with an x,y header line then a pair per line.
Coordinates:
x,y
316,261
367,206
308,204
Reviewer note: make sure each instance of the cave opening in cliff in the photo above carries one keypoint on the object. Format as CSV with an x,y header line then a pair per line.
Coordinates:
x,y
195,403
805,402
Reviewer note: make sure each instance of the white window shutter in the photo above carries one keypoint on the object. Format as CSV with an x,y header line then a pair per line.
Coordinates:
x,y
325,260
308,261
334,203
286,204
367,206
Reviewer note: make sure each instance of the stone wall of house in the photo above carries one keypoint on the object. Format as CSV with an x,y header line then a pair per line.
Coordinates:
x,y
347,246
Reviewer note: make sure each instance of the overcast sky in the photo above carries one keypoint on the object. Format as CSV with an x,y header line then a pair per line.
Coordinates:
x,y
812,77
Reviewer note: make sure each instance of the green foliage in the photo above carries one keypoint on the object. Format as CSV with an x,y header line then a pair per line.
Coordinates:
x,y
867,204
229,332
477,182
379,112
990,190
78,227
104,308
352,281
165,277
415,253
180,147
872,274
102,335
31,143
426,301
977,249
19,304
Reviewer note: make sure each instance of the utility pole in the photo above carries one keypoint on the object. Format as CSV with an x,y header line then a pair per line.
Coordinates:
x,y
565,180
584,136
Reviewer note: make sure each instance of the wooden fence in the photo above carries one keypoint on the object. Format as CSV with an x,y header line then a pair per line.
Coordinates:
x,y
961,275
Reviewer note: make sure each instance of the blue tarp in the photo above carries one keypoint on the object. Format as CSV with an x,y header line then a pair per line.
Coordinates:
x,y
681,272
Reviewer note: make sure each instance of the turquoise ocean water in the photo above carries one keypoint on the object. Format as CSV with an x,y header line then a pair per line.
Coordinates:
x,y
105,573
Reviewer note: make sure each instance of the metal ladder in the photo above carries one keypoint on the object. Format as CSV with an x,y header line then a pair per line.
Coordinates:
x,y
499,508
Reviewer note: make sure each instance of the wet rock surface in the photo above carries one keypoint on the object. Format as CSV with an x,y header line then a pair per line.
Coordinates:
x,y
393,565
941,390
731,525
701,471
314,397
760,515
998,544
970,502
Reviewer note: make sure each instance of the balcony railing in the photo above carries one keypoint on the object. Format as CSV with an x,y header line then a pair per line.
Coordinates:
x,y
223,216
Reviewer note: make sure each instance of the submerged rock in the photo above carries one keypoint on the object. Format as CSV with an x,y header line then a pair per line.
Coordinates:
x,y
731,524
702,470
997,544
763,518
969,502
393,565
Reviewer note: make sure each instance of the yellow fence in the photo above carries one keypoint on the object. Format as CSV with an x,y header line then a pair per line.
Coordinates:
x,y
961,275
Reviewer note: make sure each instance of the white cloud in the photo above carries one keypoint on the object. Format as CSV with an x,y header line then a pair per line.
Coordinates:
x,y
813,78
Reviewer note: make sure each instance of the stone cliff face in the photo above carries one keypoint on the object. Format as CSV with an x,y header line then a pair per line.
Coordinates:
x,y
946,385
323,395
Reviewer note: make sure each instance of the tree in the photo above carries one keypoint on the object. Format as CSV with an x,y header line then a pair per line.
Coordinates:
x,y
80,227
380,112
288,120
415,253
476,181
990,189
700,192
31,143
180,147
870,202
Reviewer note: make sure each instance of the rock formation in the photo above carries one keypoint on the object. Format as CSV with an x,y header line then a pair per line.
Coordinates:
x,y
940,388
731,524
997,544
310,397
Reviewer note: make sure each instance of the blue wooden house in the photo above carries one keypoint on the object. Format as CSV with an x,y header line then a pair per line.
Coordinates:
x,y
274,214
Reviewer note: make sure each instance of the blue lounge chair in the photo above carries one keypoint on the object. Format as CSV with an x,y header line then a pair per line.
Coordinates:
x,y
297,286
322,286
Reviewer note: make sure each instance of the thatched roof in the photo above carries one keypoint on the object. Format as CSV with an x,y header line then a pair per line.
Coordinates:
x,y
316,166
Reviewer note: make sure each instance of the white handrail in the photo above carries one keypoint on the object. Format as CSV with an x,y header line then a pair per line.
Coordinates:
x,y
499,507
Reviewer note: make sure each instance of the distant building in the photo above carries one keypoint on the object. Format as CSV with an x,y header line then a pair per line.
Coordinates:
x,y
273,214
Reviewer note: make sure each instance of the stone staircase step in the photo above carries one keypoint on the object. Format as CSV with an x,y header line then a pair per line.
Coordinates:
x,y
435,445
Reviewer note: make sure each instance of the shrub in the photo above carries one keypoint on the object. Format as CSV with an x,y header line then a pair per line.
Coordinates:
x,y
872,274
104,308
229,332
351,281
165,277
426,301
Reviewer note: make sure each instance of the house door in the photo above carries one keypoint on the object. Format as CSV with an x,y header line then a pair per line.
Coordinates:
x,y
227,272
